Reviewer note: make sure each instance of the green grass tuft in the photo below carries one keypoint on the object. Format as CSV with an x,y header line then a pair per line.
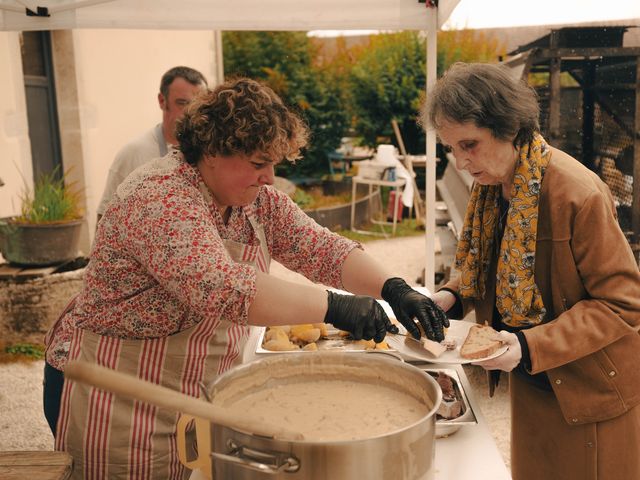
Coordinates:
x,y
50,201
21,352
405,228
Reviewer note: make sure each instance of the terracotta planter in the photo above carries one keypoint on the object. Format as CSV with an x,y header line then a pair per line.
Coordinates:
x,y
39,245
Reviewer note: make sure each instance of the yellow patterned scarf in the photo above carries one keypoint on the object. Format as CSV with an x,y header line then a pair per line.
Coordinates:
x,y
517,297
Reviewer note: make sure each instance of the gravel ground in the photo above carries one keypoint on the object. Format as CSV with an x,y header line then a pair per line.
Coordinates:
x,y
22,423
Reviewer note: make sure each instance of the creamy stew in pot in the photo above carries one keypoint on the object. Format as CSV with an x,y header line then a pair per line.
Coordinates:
x,y
334,410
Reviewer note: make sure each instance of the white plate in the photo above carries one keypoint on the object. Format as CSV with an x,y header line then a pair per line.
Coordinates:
x,y
457,331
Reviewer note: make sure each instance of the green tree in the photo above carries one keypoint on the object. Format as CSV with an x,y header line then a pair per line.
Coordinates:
x,y
467,46
388,79
387,82
285,61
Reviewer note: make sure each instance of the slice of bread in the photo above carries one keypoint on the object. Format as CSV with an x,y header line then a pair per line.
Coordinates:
x,y
481,341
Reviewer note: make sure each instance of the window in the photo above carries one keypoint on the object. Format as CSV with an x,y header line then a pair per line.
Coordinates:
x,y
42,112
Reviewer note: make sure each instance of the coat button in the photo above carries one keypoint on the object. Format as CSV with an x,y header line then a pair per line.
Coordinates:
x,y
558,381
612,373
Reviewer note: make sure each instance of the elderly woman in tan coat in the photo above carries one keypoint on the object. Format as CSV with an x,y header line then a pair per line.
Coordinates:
x,y
542,258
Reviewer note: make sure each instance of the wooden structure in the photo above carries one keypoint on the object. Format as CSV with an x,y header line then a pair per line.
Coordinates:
x,y
35,465
589,88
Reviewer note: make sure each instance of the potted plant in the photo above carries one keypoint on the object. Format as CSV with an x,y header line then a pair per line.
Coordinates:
x,y
47,231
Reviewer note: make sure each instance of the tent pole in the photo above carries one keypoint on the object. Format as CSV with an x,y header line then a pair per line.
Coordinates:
x,y
219,66
430,182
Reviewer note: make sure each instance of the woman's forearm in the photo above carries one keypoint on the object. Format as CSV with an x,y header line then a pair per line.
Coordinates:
x,y
363,275
279,302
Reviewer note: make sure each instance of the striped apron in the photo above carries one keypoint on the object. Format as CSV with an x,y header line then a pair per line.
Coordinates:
x,y
115,438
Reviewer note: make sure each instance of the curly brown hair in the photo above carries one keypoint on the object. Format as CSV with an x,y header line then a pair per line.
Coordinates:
x,y
240,116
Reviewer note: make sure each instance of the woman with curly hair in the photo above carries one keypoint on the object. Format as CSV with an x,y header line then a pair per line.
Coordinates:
x,y
179,271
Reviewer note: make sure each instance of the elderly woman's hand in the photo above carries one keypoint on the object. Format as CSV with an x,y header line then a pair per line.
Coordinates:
x,y
408,304
444,299
509,359
363,317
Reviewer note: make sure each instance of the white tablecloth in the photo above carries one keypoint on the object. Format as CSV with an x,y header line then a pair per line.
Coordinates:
x,y
469,454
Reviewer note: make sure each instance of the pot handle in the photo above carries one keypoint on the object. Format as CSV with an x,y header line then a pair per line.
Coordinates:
x,y
387,353
203,444
268,462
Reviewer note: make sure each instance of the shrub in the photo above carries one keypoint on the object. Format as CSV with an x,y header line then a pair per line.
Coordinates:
x,y
389,76
285,61
388,82
467,46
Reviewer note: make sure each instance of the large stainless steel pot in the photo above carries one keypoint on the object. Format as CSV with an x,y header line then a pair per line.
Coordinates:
x,y
404,454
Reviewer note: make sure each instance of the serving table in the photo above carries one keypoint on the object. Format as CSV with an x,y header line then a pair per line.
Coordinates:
x,y
468,454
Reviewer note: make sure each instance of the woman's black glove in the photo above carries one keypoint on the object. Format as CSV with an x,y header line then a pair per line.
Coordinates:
x,y
408,305
361,316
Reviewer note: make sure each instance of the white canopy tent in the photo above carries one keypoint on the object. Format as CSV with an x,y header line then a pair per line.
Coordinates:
x,y
224,15
301,15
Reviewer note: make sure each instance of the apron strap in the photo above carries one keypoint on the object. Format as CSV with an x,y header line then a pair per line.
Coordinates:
x,y
263,257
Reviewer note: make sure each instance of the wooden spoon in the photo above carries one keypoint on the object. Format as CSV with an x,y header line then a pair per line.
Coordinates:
x,y
133,388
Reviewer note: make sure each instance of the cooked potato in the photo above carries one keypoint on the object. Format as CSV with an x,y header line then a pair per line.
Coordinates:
x,y
298,330
280,345
324,331
367,344
309,336
280,338
276,333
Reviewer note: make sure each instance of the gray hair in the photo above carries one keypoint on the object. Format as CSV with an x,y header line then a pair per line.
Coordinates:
x,y
488,96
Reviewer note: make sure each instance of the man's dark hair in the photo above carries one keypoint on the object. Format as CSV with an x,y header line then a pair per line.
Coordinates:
x,y
192,76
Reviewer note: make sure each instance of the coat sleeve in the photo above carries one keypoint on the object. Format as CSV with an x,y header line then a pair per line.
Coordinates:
x,y
463,306
609,273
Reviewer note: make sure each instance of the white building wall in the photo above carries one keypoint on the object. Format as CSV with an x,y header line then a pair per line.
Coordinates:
x,y
15,150
118,76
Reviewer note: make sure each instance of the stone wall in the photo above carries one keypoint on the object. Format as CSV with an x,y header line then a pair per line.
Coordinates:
x,y
29,307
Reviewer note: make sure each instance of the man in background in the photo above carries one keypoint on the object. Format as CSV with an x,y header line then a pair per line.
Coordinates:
x,y
178,87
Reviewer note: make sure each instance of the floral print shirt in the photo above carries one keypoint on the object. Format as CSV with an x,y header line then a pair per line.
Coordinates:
x,y
159,266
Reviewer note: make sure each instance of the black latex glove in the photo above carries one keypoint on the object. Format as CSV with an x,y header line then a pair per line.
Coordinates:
x,y
409,304
361,316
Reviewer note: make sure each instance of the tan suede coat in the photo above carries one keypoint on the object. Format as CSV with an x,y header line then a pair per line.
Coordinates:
x,y
589,344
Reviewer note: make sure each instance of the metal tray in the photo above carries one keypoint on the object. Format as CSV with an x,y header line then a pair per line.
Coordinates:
x,y
444,428
333,342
